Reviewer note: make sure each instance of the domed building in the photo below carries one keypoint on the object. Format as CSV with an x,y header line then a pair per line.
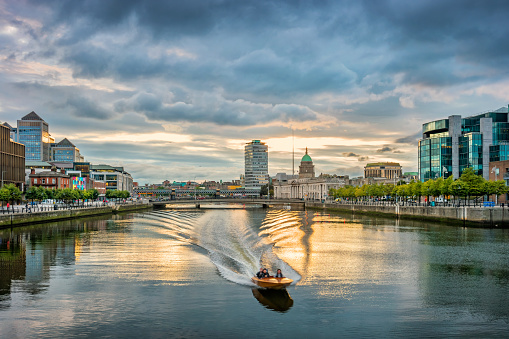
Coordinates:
x,y
306,168
307,186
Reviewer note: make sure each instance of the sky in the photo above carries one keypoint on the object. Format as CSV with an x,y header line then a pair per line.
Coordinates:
x,y
172,90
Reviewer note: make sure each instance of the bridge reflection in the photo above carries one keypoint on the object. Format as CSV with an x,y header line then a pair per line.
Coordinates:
x,y
231,203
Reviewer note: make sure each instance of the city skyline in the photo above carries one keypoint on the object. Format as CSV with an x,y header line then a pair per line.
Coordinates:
x,y
174,90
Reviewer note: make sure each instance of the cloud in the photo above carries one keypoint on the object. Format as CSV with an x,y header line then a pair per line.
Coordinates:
x,y
86,108
213,108
384,149
350,154
410,139
363,158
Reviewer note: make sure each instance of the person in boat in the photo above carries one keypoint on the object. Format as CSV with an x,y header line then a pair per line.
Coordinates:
x,y
265,273
279,274
259,274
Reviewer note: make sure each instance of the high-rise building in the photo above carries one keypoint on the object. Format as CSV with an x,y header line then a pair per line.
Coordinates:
x,y
33,132
448,146
256,157
65,151
12,159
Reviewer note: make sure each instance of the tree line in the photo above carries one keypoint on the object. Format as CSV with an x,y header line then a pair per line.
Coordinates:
x,y
468,185
12,193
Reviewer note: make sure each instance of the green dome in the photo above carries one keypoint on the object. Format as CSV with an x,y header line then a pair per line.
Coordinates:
x,y
306,157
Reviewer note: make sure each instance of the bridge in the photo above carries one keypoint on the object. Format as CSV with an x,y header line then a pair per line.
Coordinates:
x,y
203,203
193,192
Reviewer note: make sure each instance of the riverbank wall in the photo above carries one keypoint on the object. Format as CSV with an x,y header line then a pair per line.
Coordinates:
x,y
17,219
464,215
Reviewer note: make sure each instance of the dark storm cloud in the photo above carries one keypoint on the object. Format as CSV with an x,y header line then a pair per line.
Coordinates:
x,y
86,108
410,139
384,149
212,108
430,37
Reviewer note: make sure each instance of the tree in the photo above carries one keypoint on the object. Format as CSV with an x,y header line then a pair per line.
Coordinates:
x,y
14,192
5,195
95,193
40,193
31,193
445,188
474,184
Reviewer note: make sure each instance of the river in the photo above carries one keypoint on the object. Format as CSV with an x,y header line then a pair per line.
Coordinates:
x,y
186,273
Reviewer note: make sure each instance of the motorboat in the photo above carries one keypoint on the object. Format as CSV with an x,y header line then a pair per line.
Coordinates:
x,y
272,283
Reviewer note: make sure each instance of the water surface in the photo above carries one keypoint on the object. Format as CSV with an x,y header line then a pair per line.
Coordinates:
x,y
186,273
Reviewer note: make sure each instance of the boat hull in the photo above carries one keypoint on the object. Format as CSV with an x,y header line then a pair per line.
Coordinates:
x,y
272,283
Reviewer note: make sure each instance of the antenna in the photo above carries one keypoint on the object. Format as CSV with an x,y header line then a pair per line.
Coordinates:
x,y
293,153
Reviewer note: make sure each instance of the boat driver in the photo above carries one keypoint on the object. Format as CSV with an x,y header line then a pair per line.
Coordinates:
x,y
259,274
265,273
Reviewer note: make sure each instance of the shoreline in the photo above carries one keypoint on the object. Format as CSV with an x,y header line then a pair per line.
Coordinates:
x,y
21,219
487,217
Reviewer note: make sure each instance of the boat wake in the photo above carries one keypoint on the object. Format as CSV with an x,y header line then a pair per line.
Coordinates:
x,y
236,241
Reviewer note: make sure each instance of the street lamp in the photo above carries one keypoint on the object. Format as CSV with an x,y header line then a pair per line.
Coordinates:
x,y
495,170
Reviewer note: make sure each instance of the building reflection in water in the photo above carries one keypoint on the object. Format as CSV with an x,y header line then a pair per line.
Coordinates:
x,y
28,253
276,300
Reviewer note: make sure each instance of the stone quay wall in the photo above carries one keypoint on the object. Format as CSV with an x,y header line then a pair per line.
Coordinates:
x,y
11,220
475,216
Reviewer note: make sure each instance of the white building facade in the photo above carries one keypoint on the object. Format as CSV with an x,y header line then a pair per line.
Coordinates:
x,y
307,186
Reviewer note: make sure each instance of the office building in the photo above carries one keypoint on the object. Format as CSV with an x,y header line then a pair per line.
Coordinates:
x,y
450,145
256,157
114,177
12,159
13,132
65,151
387,170
33,132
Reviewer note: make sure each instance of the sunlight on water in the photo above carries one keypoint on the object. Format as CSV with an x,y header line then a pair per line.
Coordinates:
x,y
230,238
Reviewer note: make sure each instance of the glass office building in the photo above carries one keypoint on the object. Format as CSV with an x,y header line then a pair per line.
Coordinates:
x,y
65,151
256,165
448,146
33,132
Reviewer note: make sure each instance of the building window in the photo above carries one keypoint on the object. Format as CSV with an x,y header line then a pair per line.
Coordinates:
x,y
35,180
53,180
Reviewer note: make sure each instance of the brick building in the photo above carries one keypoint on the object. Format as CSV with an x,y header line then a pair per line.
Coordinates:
x,y
50,179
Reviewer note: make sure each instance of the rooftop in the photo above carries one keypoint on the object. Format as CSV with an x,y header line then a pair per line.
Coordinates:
x,y
32,116
65,143
383,164
306,156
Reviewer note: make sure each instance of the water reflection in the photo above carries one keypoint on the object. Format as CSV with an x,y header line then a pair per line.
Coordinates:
x,y
372,276
276,300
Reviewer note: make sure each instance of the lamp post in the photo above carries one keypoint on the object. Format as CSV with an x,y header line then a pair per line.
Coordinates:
x,y
194,181
495,170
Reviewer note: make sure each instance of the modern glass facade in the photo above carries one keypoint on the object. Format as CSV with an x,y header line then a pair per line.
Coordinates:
x,y
256,164
447,148
471,152
63,155
33,132
435,158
